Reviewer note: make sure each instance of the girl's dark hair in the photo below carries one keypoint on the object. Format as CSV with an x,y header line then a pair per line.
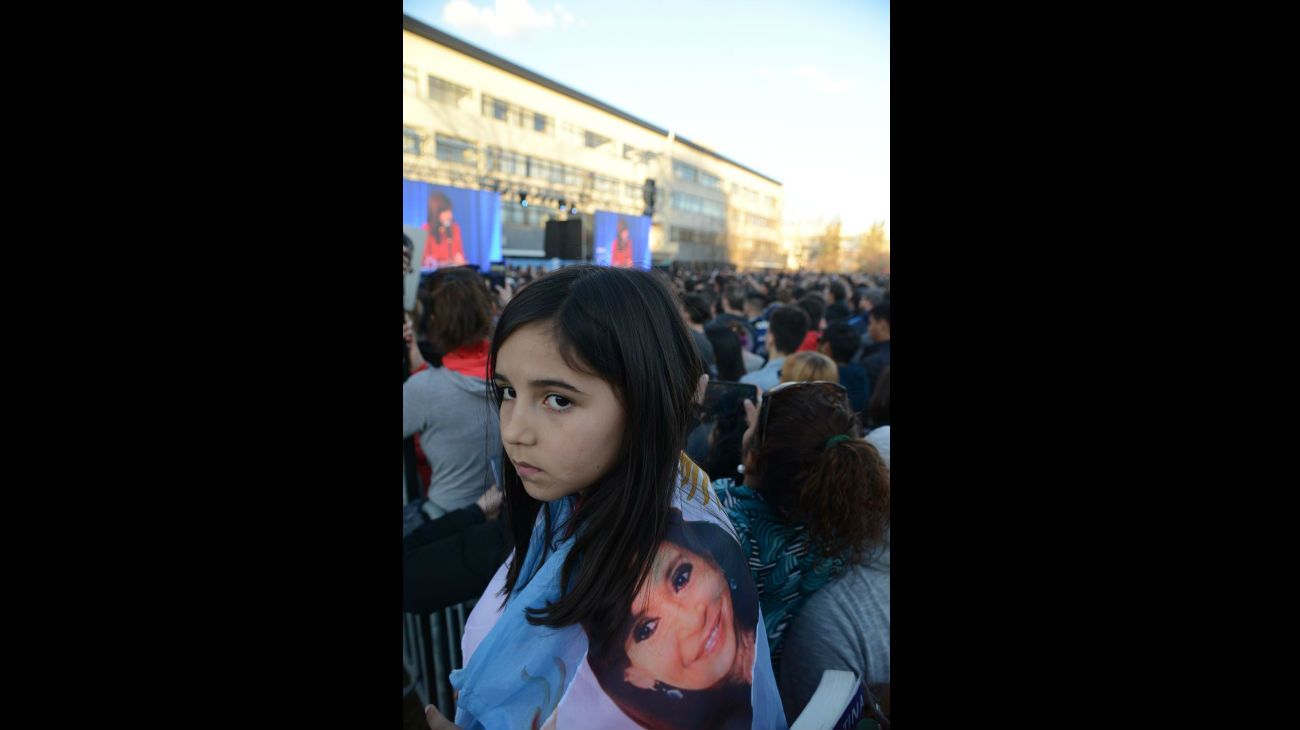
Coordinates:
x,y
839,492
726,350
622,326
726,705
458,310
878,407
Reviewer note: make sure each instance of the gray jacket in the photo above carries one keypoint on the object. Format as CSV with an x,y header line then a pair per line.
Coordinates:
x,y
459,433
845,625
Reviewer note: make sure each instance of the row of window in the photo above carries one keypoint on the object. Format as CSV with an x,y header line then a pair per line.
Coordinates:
x,y
693,174
688,203
447,92
680,234
464,152
510,114
758,220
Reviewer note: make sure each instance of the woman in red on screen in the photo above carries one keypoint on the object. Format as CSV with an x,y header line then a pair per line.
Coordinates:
x,y
443,245
620,253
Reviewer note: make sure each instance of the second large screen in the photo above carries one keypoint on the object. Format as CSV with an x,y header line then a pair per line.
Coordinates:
x,y
622,240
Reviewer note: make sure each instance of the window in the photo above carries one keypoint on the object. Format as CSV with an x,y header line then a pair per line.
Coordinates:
x,y
755,220
445,91
410,80
679,234
710,181
684,172
510,163
410,141
606,184
591,139
457,151
541,123
695,204
504,111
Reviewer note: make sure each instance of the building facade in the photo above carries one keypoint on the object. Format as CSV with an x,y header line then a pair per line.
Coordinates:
x,y
472,119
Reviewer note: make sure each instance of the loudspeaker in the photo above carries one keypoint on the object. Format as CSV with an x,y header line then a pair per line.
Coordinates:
x,y
564,239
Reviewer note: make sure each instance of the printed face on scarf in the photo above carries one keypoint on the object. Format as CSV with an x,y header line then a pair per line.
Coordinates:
x,y
683,628
560,427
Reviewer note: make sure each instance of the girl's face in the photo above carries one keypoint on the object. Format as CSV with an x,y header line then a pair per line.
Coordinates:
x,y
445,217
560,427
683,628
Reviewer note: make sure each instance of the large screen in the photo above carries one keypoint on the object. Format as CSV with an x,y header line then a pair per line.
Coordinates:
x,y
459,226
622,240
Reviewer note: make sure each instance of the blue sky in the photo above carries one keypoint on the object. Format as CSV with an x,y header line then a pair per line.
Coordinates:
x,y
797,91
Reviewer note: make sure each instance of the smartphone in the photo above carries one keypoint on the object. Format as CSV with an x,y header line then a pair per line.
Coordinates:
x,y
723,398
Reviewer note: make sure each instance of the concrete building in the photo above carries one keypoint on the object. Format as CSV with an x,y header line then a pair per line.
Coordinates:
x,y
472,119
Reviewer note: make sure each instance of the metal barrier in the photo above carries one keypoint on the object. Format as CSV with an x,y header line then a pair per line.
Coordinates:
x,y
431,650
431,646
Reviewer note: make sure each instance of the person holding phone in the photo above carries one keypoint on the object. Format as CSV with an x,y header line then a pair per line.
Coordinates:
x,y
804,459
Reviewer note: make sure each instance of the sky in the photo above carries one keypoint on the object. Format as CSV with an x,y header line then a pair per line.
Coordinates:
x,y
797,91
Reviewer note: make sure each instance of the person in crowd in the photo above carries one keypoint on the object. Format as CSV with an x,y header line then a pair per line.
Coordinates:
x,y
815,497
597,380
875,357
450,560
838,308
446,400
727,351
755,304
731,312
787,327
840,342
809,366
813,305
695,312
877,420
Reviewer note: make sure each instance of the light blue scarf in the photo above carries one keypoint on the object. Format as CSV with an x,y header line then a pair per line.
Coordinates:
x,y
492,696
520,672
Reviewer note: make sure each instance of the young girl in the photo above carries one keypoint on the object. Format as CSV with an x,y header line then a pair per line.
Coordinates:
x,y
596,375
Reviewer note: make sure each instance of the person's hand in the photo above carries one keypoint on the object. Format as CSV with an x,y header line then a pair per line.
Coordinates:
x,y
490,502
412,348
751,411
437,721
701,387
504,293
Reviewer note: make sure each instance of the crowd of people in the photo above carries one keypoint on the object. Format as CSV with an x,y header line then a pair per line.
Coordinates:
x,y
637,557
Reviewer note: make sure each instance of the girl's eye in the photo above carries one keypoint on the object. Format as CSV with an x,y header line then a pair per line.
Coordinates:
x,y
507,393
681,577
645,629
558,402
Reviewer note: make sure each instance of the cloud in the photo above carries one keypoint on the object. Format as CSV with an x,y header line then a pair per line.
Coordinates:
x,y
505,18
